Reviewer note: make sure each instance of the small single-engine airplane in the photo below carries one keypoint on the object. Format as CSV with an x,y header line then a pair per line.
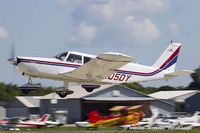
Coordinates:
x,y
93,71
121,115
18,122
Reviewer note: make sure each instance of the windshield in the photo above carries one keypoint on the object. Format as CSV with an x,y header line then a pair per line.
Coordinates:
x,y
61,56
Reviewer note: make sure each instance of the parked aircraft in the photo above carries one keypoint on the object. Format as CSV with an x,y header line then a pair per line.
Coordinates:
x,y
93,71
18,122
193,121
145,122
167,123
121,115
51,123
180,122
3,121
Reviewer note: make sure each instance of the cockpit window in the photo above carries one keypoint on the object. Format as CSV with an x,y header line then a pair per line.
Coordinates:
x,y
61,56
74,58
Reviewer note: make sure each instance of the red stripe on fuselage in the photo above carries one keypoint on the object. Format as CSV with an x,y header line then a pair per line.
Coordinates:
x,y
49,62
25,124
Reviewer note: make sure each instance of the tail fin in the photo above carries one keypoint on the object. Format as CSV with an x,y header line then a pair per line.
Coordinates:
x,y
169,57
44,118
155,114
196,117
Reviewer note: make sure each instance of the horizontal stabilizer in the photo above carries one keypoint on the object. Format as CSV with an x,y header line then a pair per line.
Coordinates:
x,y
178,73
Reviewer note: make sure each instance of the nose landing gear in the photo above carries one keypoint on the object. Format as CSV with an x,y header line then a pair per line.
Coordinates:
x,y
28,87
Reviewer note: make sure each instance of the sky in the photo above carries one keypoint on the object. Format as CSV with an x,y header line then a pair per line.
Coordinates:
x,y
139,28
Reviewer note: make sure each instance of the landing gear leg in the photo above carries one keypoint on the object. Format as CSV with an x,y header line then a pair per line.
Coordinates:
x,y
63,91
30,80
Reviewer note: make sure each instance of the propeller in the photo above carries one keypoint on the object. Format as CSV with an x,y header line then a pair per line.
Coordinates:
x,y
13,60
26,88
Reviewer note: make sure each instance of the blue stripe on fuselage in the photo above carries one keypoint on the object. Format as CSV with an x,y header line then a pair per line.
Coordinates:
x,y
50,63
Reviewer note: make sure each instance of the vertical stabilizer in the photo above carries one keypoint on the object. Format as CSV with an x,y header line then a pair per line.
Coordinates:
x,y
169,57
155,114
196,117
44,118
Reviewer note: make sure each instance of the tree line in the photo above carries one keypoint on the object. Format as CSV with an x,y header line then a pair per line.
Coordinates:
x,y
9,91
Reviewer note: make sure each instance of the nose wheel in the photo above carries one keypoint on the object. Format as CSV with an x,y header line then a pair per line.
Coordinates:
x,y
28,87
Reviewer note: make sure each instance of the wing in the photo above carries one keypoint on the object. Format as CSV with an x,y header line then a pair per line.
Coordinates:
x,y
99,68
178,73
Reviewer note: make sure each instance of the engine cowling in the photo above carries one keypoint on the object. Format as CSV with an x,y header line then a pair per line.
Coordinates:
x,y
89,87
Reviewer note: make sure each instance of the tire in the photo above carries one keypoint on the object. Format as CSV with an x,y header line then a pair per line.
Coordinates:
x,y
89,89
25,91
62,95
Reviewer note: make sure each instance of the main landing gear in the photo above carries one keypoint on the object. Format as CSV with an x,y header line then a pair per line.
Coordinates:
x,y
63,91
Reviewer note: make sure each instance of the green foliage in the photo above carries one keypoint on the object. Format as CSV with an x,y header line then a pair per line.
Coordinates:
x,y
140,88
179,107
196,76
149,90
9,91
39,92
166,88
196,80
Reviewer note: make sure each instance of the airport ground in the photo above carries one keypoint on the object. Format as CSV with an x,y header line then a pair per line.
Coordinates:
x,y
101,130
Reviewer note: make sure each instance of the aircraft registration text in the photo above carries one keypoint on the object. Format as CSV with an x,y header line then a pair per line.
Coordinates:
x,y
119,77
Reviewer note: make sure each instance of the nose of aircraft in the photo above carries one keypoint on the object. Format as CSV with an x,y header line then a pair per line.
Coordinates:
x,y
13,61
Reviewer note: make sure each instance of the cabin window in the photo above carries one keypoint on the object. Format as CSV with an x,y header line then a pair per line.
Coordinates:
x,y
86,59
61,56
74,58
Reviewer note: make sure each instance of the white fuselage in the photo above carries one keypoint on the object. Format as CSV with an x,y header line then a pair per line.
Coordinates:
x,y
106,68
50,68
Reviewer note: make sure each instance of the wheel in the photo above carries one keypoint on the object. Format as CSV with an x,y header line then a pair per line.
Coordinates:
x,y
89,89
63,92
62,95
25,91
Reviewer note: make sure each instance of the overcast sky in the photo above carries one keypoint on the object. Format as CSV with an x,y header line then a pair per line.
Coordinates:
x,y
139,28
